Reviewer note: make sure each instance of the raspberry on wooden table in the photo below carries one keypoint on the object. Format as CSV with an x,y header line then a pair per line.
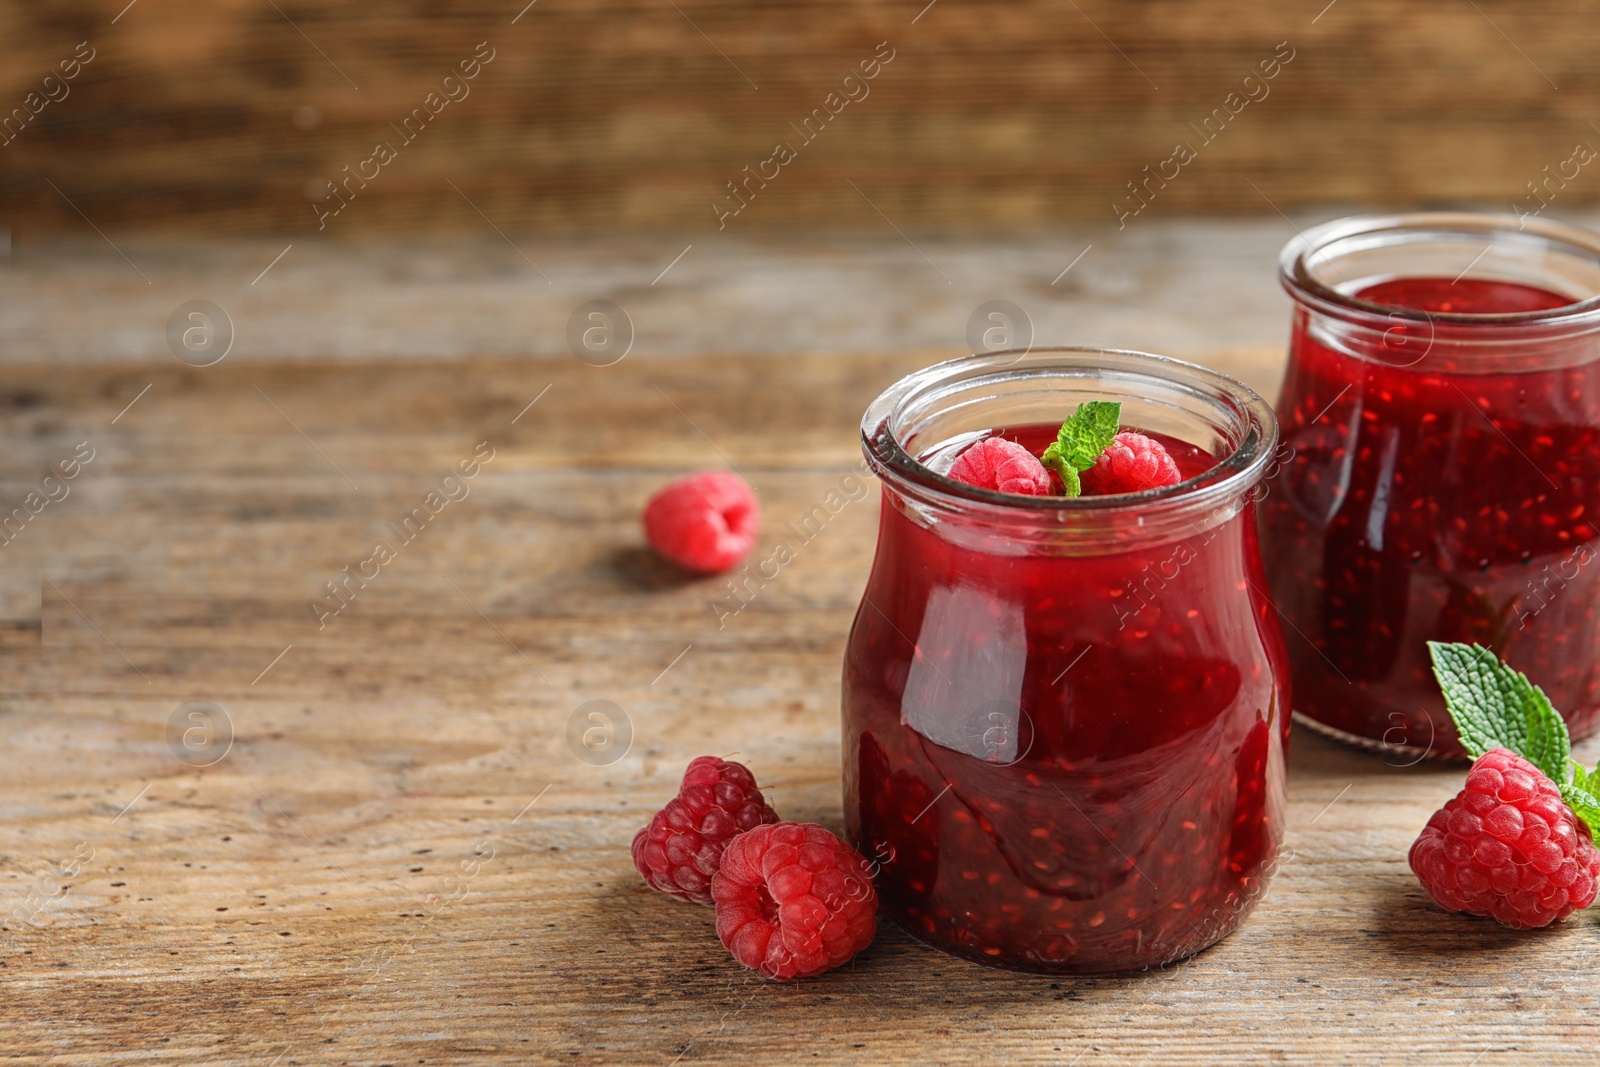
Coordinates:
x,y
1002,465
1131,464
703,522
1508,847
681,848
793,900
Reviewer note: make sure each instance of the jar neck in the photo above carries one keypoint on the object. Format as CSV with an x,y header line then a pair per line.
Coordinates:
x,y
1328,268
916,427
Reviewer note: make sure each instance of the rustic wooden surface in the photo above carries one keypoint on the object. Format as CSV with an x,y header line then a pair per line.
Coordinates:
x,y
312,897
622,115
1180,286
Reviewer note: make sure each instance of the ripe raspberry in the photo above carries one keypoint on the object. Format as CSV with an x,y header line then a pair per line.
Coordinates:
x,y
704,522
1508,847
1130,464
995,463
680,849
793,900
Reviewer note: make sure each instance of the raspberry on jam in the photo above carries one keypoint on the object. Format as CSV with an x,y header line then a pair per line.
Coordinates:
x,y
1002,465
1132,463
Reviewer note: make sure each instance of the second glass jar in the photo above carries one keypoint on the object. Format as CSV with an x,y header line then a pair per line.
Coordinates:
x,y
1440,477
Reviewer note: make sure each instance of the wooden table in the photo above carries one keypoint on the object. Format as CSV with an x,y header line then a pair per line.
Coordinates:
x,y
399,859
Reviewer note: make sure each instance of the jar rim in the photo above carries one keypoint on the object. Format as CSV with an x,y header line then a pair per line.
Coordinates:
x,y
1233,474
1302,283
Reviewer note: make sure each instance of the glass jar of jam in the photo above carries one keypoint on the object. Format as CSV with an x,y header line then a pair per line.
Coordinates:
x,y
1441,469
1065,719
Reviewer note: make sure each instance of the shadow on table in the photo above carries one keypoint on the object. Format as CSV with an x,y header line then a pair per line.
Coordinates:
x,y
668,953
1406,921
638,568
1315,754
1409,924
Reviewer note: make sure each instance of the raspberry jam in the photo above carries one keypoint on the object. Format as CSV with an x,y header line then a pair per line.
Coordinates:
x,y
1065,720
1440,476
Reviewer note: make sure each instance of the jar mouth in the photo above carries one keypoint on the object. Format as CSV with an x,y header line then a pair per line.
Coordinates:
x,y
940,404
1325,267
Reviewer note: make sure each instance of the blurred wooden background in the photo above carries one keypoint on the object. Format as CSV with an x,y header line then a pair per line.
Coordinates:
x,y
216,116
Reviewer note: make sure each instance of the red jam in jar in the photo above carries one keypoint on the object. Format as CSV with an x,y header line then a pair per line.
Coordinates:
x,y
1440,472
1065,720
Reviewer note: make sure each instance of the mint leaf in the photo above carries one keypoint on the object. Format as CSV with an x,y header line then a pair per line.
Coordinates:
x,y
1584,804
1583,795
1081,439
1495,706
1070,482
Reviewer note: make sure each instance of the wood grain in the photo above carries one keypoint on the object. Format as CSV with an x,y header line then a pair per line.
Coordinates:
x,y
628,115
1184,287
304,899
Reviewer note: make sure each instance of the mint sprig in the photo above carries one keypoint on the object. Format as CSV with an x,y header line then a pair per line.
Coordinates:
x,y
1582,794
1086,433
1495,706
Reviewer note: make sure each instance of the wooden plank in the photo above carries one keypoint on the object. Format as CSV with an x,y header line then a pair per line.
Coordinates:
x,y
624,115
303,899
1178,287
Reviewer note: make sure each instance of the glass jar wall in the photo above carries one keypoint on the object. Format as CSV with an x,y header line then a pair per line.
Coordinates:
x,y
1441,472
1065,719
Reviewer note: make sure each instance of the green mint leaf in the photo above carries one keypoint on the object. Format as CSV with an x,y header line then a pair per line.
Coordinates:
x,y
1087,433
1055,458
1070,481
1495,706
1584,804
1081,439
